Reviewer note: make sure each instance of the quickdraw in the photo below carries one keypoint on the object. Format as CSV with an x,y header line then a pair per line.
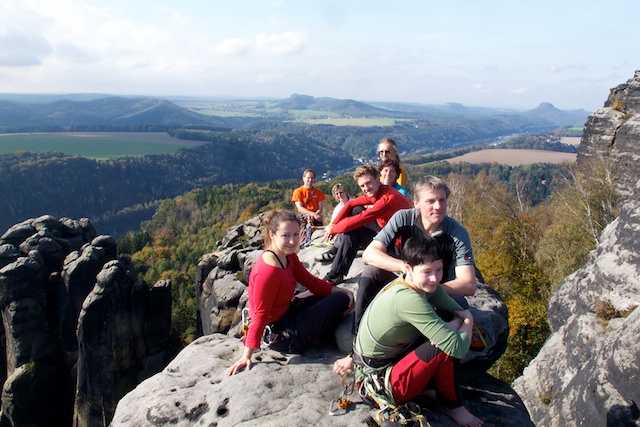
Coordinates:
x,y
339,406
406,414
306,236
246,321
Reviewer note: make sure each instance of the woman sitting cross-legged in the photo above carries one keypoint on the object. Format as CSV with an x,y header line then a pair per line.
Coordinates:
x,y
403,348
290,322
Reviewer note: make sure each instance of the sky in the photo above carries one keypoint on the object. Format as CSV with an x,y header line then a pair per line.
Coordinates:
x,y
493,53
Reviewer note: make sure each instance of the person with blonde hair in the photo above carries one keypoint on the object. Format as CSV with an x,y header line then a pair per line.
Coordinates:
x,y
388,149
361,219
342,197
278,318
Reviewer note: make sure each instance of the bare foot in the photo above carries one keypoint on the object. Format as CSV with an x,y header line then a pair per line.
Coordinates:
x,y
463,417
343,365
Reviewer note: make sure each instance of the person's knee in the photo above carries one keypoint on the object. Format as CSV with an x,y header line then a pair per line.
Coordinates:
x,y
427,351
340,299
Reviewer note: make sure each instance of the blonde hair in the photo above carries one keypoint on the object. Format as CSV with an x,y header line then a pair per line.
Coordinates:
x,y
336,188
366,170
272,220
427,183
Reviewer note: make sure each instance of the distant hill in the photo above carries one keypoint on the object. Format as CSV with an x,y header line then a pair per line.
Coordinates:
x,y
110,111
547,111
345,107
47,98
104,110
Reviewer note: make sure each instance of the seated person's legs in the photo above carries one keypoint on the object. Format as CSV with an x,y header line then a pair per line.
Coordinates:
x,y
348,247
319,315
427,365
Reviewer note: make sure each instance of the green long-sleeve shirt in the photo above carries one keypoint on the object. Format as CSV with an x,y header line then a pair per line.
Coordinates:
x,y
399,315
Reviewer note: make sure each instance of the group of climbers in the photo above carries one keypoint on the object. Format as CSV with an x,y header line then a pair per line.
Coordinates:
x,y
412,324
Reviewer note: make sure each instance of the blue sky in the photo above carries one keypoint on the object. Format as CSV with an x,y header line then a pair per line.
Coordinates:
x,y
512,54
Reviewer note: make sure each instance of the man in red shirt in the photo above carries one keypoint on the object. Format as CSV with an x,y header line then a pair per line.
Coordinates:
x,y
357,227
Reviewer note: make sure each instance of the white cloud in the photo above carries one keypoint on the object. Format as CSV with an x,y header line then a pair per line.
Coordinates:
x,y
19,49
521,90
279,44
326,48
567,67
481,87
236,46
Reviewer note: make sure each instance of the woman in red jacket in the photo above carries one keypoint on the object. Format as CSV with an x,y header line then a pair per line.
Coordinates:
x,y
283,321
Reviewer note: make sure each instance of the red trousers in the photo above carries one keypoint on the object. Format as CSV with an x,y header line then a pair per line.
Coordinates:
x,y
423,366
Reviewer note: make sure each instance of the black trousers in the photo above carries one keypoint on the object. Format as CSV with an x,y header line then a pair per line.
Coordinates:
x,y
309,318
347,245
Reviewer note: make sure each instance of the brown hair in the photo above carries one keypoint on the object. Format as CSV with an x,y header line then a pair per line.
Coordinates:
x,y
309,170
390,163
366,170
430,182
272,220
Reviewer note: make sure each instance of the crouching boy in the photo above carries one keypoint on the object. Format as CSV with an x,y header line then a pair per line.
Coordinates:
x,y
403,348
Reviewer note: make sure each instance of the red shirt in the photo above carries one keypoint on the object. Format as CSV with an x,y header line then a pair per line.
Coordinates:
x,y
271,290
385,203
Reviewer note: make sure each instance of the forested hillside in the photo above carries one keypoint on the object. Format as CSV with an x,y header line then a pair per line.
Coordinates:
x,y
268,143
416,136
115,193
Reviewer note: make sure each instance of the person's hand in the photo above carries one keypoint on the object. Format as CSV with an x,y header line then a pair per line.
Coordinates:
x,y
343,365
242,363
465,315
317,216
455,323
352,302
328,235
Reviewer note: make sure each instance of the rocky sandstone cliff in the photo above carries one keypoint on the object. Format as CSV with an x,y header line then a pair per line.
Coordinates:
x,y
588,371
283,389
79,329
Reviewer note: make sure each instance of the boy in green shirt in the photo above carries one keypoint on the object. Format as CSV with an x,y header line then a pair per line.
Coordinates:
x,y
403,346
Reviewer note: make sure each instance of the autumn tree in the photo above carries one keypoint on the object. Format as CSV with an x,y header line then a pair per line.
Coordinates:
x,y
504,232
578,215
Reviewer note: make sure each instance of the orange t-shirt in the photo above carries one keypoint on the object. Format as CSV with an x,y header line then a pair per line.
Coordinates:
x,y
309,197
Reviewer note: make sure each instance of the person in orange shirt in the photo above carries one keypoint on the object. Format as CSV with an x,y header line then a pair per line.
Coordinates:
x,y
309,200
361,219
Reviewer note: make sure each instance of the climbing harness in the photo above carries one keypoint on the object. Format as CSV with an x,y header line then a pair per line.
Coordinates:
x,y
408,414
339,406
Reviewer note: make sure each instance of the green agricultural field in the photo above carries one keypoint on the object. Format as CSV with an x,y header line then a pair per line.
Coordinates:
x,y
95,145
356,121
